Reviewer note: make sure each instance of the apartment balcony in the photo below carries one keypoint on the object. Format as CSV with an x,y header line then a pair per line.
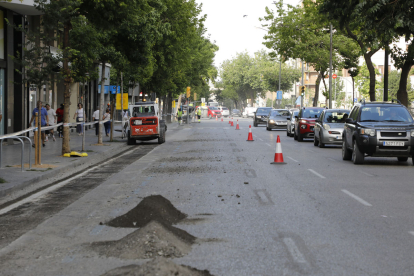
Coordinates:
x,y
24,7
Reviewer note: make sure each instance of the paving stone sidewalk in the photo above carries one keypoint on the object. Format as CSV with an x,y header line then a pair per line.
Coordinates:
x,y
51,155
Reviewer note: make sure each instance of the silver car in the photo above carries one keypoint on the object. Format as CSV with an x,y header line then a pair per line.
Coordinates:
x,y
291,122
329,127
277,119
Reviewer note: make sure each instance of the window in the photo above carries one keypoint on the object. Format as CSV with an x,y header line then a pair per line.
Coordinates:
x,y
311,113
143,110
280,113
354,113
335,116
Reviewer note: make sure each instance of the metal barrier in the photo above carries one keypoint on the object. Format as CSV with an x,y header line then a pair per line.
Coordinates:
x,y
22,152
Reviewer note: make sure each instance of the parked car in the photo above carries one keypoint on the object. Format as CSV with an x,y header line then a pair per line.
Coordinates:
x,y
224,111
378,129
236,113
305,122
260,116
329,127
277,119
290,127
213,111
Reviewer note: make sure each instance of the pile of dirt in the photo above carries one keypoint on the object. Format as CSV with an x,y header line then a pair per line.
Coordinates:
x,y
154,239
154,207
158,266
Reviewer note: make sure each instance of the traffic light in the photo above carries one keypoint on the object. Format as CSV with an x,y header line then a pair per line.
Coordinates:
x,y
188,91
302,88
142,96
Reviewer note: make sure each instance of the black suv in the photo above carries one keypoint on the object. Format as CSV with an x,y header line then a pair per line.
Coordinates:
x,y
260,116
378,129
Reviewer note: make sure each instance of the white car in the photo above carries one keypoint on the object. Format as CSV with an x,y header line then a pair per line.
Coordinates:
x,y
250,111
224,111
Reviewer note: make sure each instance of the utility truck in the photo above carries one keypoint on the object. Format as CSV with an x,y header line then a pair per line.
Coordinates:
x,y
145,123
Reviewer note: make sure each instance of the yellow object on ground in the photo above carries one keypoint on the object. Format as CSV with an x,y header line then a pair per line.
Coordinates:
x,y
75,154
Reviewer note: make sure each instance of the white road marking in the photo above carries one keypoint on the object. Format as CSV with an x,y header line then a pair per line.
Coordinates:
x,y
331,159
294,251
315,173
38,195
411,232
357,198
268,145
260,139
366,173
292,159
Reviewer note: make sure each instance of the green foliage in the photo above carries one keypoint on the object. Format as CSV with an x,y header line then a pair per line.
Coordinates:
x,y
394,84
245,77
362,83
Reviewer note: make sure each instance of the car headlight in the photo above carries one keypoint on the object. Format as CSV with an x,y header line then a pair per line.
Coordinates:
x,y
272,121
326,126
303,121
368,131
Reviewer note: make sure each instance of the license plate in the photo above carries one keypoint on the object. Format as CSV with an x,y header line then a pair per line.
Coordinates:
x,y
393,144
339,137
282,123
138,122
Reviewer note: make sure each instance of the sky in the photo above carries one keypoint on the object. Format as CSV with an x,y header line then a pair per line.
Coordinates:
x,y
232,32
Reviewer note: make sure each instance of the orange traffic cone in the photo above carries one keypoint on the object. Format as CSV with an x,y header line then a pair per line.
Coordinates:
x,y
222,119
237,126
278,153
250,137
231,123
216,117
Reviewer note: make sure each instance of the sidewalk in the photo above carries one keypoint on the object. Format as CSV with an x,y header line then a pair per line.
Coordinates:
x,y
51,155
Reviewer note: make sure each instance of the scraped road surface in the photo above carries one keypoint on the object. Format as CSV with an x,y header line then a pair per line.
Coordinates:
x,y
316,215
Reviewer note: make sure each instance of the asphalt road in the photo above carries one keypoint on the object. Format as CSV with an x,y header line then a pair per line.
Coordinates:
x,y
316,215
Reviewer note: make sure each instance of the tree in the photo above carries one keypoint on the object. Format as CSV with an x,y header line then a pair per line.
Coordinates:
x,y
394,86
363,83
302,32
349,18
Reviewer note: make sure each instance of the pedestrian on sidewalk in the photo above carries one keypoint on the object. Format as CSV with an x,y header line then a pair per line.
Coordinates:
x,y
43,119
199,114
59,114
79,118
51,114
96,118
107,116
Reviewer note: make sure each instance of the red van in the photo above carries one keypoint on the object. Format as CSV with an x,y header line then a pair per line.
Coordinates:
x,y
213,112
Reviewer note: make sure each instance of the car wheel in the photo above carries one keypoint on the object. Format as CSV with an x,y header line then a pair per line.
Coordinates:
x,y
315,141
209,116
291,132
321,145
294,136
300,137
346,153
357,155
161,138
130,140
287,133
255,124
402,159
268,128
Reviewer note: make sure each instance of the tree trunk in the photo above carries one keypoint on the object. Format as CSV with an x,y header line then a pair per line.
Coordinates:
x,y
101,104
353,90
371,70
326,98
402,94
318,81
66,96
164,107
169,107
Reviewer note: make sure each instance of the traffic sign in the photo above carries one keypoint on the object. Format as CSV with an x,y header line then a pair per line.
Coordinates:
x,y
279,95
355,100
334,76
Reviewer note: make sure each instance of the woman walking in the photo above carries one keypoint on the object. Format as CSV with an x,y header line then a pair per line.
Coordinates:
x,y
79,115
107,124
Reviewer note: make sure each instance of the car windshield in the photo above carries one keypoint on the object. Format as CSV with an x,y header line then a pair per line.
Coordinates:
x,y
311,113
213,108
225,108
280,113
262,110
385,114
143,110
335,116
236,110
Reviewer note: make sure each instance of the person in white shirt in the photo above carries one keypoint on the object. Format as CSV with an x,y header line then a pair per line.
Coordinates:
x,y
51,114
96,118
79,118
